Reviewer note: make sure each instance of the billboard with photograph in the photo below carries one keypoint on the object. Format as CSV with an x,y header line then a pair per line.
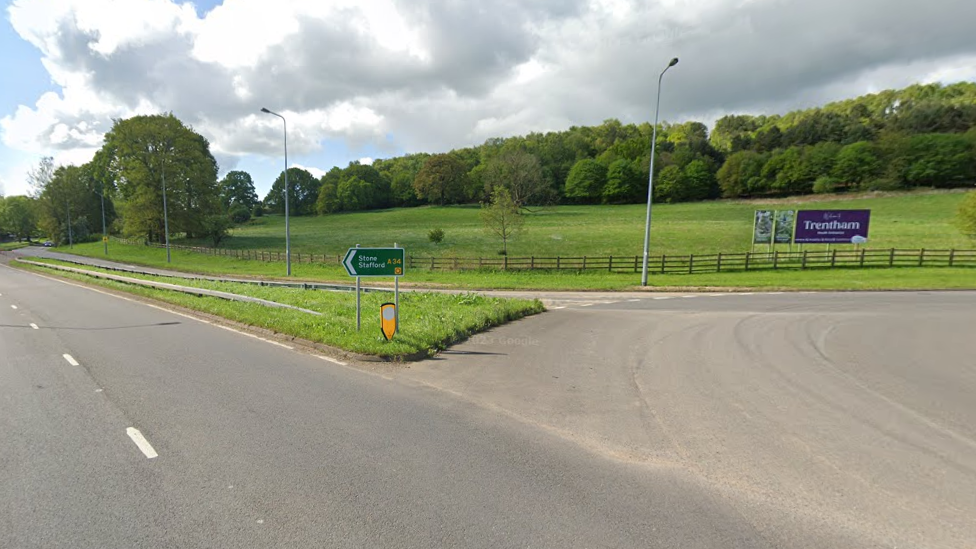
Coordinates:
x,y
832,226
783,228
762,229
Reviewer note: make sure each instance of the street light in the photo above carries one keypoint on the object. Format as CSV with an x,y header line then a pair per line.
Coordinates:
x,y
287,231
650,177
166,209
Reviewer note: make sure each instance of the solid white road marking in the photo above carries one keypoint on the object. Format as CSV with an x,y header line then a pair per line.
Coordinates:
x,y
332,360
34,326
687,296
71,360
745,293
141,442
560,307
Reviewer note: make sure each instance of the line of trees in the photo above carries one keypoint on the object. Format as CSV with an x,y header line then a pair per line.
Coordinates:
x,y
923,135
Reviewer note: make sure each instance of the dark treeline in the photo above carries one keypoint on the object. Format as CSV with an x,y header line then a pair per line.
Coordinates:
x,y
923,135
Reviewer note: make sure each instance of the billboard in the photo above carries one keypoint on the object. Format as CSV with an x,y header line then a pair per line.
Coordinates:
x,y
783,228
762,229
832,226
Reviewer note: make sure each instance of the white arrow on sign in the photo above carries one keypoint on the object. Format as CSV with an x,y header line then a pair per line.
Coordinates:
x,y
348,262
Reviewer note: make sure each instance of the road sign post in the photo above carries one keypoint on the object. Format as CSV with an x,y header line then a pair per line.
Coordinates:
x,y
360,262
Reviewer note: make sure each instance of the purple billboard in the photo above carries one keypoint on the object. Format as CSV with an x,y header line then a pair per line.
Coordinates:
x,y
832,226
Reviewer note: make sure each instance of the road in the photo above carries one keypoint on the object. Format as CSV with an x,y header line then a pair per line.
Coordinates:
x,y
790,420
850,412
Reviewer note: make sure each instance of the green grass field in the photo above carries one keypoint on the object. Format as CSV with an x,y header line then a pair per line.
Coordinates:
x,y
908,220
428,321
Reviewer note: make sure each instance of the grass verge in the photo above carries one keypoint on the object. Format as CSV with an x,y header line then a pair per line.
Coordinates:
x,y
429,322
7,246
901,278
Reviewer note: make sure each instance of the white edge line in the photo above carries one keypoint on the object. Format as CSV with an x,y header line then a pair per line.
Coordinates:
x,y
688,296
332,360
555,308
34,326
71,360
141,442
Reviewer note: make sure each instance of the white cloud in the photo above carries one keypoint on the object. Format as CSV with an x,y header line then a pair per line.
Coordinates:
x,y
316,172
406,76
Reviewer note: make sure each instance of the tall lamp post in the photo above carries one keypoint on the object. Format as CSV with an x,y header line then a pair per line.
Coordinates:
x,y
287,231
166,210
650,177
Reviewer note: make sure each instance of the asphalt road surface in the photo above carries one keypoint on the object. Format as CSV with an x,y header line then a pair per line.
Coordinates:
x,y
817,420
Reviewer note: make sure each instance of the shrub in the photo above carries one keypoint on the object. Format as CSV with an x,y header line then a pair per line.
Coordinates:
x,y
435,235
826,184
240,214
966,217
258,210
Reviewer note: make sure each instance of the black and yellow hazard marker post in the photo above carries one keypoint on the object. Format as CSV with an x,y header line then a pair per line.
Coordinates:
x,y
388,320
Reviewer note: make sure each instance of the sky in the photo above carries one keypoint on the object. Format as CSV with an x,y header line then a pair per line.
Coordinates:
x,y
367,79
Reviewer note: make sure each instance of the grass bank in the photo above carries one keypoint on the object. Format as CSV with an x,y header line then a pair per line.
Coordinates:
x,y
428,321
921,219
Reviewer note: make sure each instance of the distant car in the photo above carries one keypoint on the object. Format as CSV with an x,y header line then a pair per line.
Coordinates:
x,y
48,244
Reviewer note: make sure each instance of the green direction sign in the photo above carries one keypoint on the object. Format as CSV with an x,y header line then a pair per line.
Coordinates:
x,y
374,261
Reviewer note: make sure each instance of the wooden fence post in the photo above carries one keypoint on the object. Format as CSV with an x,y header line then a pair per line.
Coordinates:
x,y
636,260
891,258
803,260
921,257
532,262
557,262
610,265
584,262
718,266
663,262
748,255
691,263
952,255
776,259
505,263
863,250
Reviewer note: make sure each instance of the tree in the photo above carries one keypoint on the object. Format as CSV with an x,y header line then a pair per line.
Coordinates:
x,y
699,182
39,176
18,216
623,184
68,197
215,228
441,180
354,194
741,175
966,217
940,160
668,184
520,173
328,200
303,192
586,180
237,187
857,163
502,218
142,151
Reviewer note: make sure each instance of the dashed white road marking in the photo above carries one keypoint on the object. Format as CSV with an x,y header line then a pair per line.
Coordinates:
x,y
745,293
13,307
34,326
633,300
141,442
688,296
667,297
587,305
332,360
71,360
